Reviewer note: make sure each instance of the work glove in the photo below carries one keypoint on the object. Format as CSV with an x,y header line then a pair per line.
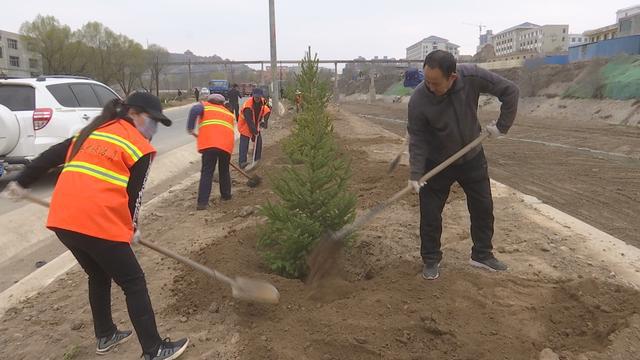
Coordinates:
x,y
263,125
136,237
416,185
14,191
493,131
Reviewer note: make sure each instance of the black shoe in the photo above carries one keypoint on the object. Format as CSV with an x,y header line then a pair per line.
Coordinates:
x,y
431,270
169,350
105,344
202,207
491,264
226,198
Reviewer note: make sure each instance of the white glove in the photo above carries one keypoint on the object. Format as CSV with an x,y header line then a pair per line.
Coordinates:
x,y
416,185
136,237
493,131
14,191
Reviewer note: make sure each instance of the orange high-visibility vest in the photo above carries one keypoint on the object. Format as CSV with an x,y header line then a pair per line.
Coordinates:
x,y
243,127
215,128
90,196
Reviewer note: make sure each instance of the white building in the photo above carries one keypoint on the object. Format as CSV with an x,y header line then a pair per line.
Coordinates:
x,y
528,37
15,59
419,50
578,39
627,12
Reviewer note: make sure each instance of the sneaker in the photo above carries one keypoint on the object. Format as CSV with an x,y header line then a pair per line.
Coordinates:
x,y
491,264
431,270
105,344
169,350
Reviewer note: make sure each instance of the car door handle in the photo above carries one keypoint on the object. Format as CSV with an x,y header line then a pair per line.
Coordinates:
x,y
86,117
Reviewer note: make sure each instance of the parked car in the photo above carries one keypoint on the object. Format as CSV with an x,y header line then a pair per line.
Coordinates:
x,y
204,92
36,113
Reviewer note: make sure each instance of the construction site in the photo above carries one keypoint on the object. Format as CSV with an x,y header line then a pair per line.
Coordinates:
x,y
314,246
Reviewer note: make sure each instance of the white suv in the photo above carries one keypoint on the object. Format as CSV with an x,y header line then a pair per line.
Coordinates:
x,y
36,113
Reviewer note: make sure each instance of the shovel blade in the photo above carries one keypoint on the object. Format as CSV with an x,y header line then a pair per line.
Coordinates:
x,y
394,164
255,290
252,166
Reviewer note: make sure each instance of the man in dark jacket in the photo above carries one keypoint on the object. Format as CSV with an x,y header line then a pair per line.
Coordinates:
x,y
442,120
234,97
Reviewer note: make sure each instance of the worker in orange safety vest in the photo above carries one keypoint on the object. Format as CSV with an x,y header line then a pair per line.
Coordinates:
x,y
254,116
94,211
216,137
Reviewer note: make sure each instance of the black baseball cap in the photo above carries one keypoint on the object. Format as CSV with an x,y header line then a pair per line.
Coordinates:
x,y
149,104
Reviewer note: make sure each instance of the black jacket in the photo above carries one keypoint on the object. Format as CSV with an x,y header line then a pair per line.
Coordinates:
x,y
439,126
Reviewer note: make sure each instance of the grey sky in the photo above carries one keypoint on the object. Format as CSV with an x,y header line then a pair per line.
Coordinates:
x,y
239,30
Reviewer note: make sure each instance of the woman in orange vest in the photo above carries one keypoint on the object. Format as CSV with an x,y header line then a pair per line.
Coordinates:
x,y
215,142
253,116
94,210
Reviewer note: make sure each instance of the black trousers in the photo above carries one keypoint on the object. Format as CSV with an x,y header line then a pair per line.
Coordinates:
x,y
209,159
473,177
236,109
243,150
103,261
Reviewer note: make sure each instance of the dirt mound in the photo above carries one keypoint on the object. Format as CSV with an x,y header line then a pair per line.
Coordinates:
x,y
376,305
546,80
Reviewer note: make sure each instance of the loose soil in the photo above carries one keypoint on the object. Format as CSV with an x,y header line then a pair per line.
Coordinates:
x,y
588,169
374,305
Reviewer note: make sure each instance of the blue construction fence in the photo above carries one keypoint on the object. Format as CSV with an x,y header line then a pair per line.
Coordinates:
x,y
546,60
629,45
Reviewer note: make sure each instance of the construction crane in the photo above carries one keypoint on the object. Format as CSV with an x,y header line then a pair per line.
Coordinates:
x,y
480,26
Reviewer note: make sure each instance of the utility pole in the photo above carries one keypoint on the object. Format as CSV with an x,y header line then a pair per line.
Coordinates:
x,y
336,91
157,66
372,86
190,80
274,58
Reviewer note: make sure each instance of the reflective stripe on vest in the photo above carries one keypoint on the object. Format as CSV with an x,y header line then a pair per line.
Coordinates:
x,y
215,128
215,122
91,195
135,153
243,127
97,172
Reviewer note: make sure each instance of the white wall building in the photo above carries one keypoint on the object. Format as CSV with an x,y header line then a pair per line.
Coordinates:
x,y
578,39
528,37
626,12
419,50
15,59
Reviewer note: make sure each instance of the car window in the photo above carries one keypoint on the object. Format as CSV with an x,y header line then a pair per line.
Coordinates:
x,y
86,97
18,97
104,94
62,93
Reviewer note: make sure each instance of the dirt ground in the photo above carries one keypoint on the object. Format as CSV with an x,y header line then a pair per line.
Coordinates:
x,y
588,169
375,305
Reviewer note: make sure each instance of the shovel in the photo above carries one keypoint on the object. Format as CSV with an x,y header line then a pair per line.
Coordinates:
x,y
254,162
253,181
241,288
394,163
324,255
